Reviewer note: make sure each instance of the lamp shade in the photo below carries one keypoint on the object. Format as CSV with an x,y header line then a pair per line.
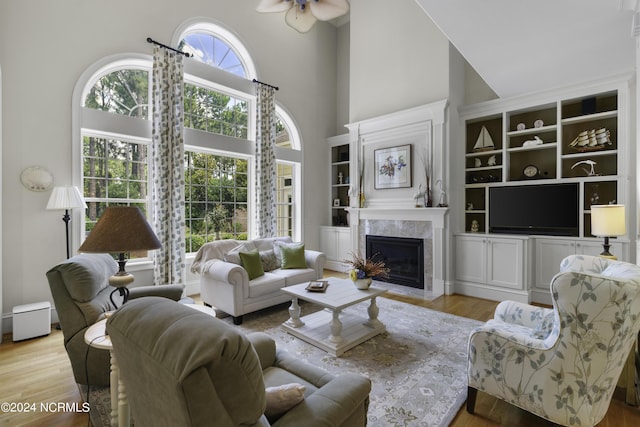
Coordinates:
x,y
66,198
608,220
121,229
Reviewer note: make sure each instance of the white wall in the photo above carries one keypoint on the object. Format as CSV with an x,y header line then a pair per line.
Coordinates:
x,y
46,45
399,58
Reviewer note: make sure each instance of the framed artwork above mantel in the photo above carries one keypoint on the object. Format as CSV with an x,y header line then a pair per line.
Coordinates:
x,y
392,167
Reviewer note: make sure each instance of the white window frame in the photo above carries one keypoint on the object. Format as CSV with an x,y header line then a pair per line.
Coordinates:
x,y
87,121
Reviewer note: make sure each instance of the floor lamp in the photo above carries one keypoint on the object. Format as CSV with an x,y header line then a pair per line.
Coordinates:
x,y
66,198
607,221
121,229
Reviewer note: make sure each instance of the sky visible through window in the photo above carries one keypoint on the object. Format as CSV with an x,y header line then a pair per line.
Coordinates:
x,y
213,51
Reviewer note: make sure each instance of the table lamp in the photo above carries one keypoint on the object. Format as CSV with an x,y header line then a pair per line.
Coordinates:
x,y
607,221
121,229
66,198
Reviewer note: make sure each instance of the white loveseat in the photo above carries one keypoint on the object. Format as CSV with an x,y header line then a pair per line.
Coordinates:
x,y
225,283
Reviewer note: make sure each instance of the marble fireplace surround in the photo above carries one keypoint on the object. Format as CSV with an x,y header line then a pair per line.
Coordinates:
x,y
428,223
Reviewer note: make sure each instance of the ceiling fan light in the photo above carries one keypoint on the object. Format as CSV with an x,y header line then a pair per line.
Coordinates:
x,y
326,10
300,20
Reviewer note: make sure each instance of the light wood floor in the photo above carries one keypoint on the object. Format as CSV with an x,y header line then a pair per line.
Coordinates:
x,y
38,370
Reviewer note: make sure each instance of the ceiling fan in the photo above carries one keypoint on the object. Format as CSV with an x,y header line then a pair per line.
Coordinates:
x,y
301,15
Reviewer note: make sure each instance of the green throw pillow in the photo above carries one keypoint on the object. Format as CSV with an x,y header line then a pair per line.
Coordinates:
x,y
252,263
293,257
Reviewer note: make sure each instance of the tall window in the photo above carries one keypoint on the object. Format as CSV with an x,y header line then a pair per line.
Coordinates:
x,y
215,112
114,174
115,133
216,192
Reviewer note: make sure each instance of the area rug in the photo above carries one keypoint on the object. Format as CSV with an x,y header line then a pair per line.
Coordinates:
x,y
417,367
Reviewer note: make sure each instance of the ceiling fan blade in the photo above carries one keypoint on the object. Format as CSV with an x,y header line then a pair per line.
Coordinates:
x,y
268,6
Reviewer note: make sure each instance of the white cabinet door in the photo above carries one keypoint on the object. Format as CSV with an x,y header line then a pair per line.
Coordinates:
x,y
549,255
505,263
328,242
471,259
343,247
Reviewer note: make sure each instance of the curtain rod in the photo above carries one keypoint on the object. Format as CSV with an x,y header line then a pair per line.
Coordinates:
x,y
266,84
150,40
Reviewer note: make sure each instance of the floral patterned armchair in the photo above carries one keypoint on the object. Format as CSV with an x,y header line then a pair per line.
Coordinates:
x,y
562,363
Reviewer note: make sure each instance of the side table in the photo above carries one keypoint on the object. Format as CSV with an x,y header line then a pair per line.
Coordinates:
x,y
96,336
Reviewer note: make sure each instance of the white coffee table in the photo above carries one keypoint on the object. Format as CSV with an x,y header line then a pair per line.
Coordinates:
x,y
334,330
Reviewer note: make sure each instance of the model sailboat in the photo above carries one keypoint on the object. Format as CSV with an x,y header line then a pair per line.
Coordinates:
x,y
484,141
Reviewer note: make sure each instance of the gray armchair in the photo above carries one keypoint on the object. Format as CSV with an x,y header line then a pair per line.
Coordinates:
x,y
183,367
81,295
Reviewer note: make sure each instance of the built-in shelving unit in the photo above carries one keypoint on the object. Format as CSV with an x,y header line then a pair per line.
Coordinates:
x,y
579,136
340,176
335,238
567,140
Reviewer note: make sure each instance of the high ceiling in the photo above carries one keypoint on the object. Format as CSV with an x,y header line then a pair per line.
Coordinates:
x,y
522,46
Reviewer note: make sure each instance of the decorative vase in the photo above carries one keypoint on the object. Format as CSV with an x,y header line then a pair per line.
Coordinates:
x,y
362,284
362,200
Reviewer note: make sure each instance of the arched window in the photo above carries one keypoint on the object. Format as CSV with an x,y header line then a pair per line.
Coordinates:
x,y
113,99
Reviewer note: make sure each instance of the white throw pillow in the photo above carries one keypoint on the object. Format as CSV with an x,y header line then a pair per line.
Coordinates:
x,y
282,398
234,254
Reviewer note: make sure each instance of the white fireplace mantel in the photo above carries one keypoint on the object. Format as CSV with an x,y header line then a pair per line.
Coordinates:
x,y
435,216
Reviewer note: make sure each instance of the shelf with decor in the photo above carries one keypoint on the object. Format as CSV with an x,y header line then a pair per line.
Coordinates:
x,y
340,177
572,139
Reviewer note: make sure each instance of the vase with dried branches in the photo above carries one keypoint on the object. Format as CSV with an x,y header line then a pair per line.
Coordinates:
x,y
426,167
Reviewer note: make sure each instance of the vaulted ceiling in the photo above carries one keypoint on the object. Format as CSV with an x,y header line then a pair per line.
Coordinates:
x,y
522,46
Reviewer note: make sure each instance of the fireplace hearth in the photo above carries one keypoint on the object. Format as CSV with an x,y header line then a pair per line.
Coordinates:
x,y
402,255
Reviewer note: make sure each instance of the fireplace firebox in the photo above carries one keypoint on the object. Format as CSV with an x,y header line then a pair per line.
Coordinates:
x,y
402,255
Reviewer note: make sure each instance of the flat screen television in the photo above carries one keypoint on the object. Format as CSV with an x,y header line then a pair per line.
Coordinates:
x,y
547,209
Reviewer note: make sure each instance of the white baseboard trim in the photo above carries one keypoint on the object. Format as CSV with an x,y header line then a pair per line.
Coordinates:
x,y
490,293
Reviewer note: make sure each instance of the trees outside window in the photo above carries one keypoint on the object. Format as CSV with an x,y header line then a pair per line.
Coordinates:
x,y
115,139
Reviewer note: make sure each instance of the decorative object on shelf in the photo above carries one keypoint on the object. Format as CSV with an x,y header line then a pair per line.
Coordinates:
x,y
36,178
531,171
336,203
484,141
469,206
393,167
521,126
532,142
475,226
442,203
365,269
538,123
591,140
591,171
121,229
340,178
491,161
608,221
419,195
66,198
477,162
301,15
426,168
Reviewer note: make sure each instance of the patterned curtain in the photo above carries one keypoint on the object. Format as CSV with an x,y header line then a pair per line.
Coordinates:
x,y
166,170
266,161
